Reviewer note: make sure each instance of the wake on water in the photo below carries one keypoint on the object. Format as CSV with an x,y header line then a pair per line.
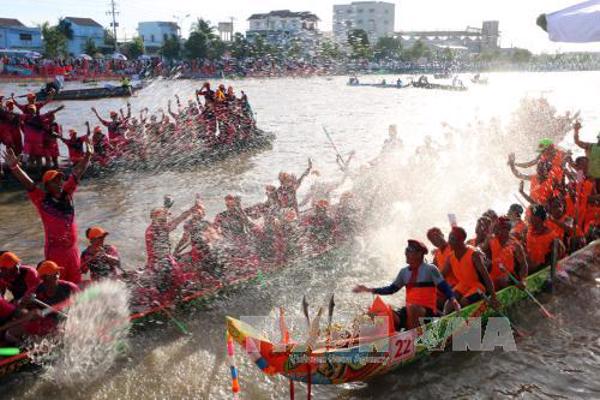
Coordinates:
x,y
90,339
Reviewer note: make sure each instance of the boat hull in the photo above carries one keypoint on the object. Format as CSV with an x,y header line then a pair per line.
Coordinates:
x,y
355,363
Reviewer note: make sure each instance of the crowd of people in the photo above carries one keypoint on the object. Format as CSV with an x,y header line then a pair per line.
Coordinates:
x,y
214,118
237,244
562,214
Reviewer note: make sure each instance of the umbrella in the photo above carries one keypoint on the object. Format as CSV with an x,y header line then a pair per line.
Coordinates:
x,y
84,56
32,54
144,57
119,56
576,24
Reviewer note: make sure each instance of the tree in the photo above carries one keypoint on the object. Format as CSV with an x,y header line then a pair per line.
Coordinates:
x,y
55,42
521,56
134,49
330,50
418,50
65,28
109,39
203,26
388,48
359,43
89,47
239,47
196,46
171,48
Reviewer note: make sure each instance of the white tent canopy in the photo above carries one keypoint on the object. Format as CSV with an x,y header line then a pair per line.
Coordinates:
x,y
119,56
84,56
576,24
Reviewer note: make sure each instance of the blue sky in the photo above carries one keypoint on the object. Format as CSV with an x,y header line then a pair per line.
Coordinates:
x,y
517,17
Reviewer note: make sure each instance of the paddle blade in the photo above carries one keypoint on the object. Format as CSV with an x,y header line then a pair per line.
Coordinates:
x,y
305,310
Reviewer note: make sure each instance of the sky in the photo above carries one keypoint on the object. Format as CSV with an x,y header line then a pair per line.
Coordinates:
x,y
517,17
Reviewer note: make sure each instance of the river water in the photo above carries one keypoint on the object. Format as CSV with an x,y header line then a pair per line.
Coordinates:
x,y
465,174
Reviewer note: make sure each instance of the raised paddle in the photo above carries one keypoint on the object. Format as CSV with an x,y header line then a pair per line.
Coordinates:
x,y
540,305
330,315
339,159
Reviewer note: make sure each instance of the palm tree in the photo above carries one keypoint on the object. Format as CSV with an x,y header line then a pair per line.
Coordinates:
x,y
203,26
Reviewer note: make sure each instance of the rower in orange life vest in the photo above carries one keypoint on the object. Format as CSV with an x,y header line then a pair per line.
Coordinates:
x,y
506,255
548,152
588,207
440,257
540,240
519,227
483,228
592,152
541,184
559,221
421,280
468,267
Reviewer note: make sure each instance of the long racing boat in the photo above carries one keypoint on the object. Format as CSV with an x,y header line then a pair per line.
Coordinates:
x,y
362,358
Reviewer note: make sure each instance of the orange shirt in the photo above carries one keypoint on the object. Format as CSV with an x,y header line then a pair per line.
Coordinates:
x,y
501,256
539,246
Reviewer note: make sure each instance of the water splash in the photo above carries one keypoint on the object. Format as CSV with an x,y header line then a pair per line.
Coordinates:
x,y
93,336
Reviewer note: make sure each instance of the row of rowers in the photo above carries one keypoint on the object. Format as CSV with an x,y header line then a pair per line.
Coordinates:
x,y
563,216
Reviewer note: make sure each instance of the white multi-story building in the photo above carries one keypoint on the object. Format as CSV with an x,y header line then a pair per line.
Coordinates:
x,y
374,17
155,33
284,26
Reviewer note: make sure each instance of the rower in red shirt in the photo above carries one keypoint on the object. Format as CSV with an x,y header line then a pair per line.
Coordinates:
x,y
53,292
21,280
56,209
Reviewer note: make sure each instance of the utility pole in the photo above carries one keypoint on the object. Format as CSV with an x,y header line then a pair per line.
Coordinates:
x,y
113,12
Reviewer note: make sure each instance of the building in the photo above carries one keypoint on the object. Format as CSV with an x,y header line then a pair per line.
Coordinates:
x,y
15,35
281,28
377,18
472,40
155,33
84,29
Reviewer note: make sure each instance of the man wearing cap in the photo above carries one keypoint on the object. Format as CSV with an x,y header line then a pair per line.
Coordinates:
x,y
548,152
100,259
31,101
56,209
74,146
21,280
421,280
10,128
116,126
53,292
542,184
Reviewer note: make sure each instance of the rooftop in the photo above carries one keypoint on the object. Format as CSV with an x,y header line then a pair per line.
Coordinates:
x,y
169,23
83,21
10,22
286,14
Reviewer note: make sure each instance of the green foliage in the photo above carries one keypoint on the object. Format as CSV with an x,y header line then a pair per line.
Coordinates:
x,y
171,48
134,49
196,46
240,47
203,42
359,44
55,42
418,50
89,47
330,50
65,28
388,48
521,56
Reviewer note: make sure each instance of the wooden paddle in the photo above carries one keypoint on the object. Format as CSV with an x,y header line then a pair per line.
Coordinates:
x,y
545,312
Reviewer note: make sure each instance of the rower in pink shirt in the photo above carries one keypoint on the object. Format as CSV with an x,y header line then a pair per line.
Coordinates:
x,y
56,209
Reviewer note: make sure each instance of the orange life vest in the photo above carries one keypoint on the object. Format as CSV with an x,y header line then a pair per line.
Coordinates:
x,y
439,259
465,272
539,246
518,229
501,255
421,294
539,191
